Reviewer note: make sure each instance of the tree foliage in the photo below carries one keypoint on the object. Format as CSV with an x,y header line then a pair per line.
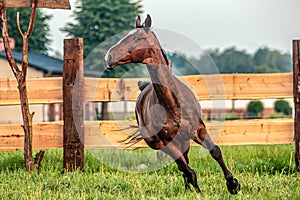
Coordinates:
x,y
273,58
231,60
97,20
282,106
40,38
255,108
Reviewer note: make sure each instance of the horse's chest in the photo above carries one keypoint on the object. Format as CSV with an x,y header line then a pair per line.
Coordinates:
x,y
170,129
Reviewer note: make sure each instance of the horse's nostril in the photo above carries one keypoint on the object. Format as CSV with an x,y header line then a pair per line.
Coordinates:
x,y
109,57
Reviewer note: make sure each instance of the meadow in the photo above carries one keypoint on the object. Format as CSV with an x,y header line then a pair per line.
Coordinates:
x,y
265,172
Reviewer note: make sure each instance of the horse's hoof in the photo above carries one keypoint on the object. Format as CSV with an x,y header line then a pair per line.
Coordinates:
x,y
233,186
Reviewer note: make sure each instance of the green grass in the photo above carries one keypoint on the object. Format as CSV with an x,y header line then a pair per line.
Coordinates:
x,y
265,172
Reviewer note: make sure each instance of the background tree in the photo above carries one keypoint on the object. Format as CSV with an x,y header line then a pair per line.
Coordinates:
x,y
98,20
264,68
181,65
255,109
279,62
232,60
282,106
40,37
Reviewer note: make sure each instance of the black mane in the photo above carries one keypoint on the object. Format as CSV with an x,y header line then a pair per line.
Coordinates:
x,y
162,50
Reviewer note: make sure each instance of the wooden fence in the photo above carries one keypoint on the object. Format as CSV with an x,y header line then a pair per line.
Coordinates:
x,y
106,134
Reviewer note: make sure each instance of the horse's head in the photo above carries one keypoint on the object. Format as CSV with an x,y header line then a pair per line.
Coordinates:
x,y
134,47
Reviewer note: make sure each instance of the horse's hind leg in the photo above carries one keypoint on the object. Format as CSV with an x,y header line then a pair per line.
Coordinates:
x,y
185,148
188,174
203,138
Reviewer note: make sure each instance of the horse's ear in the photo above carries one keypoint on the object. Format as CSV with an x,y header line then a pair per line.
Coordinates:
x,y
138,21
148,21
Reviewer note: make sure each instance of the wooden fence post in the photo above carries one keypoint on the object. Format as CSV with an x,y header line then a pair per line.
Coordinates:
x,y
73,107
296,85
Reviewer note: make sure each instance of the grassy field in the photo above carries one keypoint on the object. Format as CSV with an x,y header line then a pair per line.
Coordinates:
x,y
265,172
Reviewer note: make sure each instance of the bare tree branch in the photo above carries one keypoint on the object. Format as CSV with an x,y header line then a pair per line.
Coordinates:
x,y
31,23
25,39
19,26
17,72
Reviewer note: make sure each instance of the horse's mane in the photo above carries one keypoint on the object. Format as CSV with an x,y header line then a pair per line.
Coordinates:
x,y
162,50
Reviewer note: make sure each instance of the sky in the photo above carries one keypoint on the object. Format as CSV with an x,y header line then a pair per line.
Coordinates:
x,y
246,24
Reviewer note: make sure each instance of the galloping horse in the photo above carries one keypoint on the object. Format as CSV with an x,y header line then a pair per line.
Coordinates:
x,y
167,111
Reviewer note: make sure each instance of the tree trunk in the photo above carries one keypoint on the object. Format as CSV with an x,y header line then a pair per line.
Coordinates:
x,y
27,126
21,78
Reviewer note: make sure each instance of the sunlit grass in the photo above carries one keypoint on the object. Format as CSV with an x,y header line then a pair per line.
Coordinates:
x,y
265,172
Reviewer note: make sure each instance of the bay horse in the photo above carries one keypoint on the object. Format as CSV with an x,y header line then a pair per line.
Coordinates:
x,y
167,111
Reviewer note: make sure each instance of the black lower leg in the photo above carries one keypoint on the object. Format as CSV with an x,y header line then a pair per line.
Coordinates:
x,y
233,185
203,139
216,153
189,175
186,183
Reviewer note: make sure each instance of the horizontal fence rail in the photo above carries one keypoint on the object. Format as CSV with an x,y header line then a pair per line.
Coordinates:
x,y
107,134
205,87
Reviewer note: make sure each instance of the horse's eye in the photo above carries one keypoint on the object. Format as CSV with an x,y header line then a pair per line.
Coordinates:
x,y
138,38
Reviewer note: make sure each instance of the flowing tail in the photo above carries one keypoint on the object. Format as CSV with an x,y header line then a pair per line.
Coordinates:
x,y
136,136
133,138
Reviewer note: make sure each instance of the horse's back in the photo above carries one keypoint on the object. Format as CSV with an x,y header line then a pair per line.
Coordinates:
x,y
190,107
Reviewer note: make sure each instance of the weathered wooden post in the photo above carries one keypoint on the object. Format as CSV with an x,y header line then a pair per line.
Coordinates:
x,y
73,97
296,88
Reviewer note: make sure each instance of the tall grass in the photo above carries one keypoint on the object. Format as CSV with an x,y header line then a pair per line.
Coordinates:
x,y
265,172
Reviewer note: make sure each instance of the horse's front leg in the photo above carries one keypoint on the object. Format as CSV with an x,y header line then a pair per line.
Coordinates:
x,y
203,138
188,174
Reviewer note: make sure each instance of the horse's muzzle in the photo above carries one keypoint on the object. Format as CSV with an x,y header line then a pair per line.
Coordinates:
x,y
110,65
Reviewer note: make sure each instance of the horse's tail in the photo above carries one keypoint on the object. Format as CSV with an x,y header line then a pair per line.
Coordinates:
x,y
136,136
132,139
143,84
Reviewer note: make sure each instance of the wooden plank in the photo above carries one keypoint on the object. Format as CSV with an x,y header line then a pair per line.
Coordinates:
x,y
61,4
100,89
107,134
46,135
205,87
262,131
40,91
260,86
73,105
208,87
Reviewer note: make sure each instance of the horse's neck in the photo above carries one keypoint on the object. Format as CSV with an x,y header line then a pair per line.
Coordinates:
x,y
165,88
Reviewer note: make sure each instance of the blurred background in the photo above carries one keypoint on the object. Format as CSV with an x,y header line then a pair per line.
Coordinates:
x,y
249,36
